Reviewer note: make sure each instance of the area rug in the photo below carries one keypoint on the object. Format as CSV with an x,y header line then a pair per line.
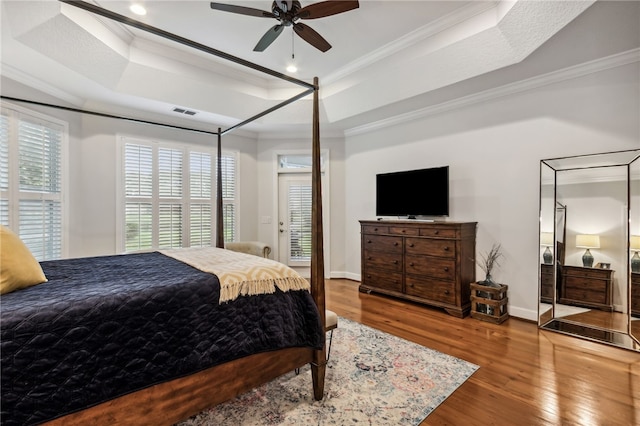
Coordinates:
x,y
372,378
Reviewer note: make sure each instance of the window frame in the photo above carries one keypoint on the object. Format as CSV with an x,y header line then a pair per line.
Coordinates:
x,y
13,192
186,201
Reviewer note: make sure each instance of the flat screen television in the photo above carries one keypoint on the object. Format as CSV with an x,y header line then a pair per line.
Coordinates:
x,y
413,193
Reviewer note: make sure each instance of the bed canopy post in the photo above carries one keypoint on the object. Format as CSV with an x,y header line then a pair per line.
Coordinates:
x,y
219,210
318,366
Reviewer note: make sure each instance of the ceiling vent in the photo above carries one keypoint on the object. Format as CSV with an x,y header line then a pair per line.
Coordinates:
x,y
184,111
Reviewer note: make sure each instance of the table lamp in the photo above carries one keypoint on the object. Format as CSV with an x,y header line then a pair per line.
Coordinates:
x,y
546,240
587,242
635,260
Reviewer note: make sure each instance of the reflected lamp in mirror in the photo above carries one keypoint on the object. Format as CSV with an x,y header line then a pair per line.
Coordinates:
x,y
635,260
546,240
587,242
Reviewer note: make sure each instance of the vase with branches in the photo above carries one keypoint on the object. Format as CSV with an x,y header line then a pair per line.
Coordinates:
x,y
488,262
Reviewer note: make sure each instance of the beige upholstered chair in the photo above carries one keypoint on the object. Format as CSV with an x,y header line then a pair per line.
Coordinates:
x,y
256,248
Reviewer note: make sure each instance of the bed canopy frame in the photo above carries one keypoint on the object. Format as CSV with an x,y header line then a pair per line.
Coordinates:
x,y
178,399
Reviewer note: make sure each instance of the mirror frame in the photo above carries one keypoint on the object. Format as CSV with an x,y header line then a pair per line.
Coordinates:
x,y
547,318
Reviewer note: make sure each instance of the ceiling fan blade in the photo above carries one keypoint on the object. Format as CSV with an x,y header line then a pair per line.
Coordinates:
x,y
326,8
311,36
268,38
242,10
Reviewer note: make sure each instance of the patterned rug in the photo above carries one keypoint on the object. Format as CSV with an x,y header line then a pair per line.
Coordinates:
x,y
373,378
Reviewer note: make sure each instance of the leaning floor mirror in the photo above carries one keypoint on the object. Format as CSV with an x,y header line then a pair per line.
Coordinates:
x,y
589,276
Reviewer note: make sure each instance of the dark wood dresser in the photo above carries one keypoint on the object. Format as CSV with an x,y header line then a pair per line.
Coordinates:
x,y
635,294
426,262
588,287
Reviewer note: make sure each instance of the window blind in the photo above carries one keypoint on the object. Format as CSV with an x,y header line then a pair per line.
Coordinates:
x,y
300,221
229,204
169,196
31,183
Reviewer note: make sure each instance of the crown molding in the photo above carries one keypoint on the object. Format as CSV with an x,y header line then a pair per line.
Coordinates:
x,y
37,84
569,73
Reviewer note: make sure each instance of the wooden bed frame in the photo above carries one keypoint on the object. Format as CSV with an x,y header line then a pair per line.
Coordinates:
x,y
176,400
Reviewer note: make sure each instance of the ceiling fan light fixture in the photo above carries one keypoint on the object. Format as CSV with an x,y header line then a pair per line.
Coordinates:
x,y
138,9
288,13
292,68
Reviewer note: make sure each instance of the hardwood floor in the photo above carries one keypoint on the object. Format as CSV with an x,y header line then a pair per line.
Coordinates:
x,y
527,376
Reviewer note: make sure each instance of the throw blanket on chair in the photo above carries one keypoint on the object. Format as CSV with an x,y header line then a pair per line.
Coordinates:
x,y
240,274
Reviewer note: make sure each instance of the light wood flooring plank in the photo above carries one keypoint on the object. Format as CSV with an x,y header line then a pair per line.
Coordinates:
x,y
527,376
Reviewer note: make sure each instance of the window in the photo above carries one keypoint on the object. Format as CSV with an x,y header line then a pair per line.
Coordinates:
x,y
229,202
31,180
299,198
170,195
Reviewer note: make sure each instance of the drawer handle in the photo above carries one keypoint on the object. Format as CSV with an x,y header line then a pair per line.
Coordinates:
x,y
436,232
369,258
446,248
411,285
446,269
395,244
368,241
446,292
368,276
395,262
404,230
411,245
410,263
375,229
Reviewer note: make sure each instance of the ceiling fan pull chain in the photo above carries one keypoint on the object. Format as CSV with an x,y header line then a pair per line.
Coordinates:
x,y
292,41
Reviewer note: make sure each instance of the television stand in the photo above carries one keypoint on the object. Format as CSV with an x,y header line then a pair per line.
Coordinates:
x,y
429,263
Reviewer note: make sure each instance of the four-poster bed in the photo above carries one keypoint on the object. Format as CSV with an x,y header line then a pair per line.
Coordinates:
x,y
170,401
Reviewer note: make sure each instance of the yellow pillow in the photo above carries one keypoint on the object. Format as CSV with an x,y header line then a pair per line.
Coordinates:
x,y
18,268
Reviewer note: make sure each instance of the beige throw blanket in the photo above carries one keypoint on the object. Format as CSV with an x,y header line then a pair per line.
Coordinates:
x,y
240,274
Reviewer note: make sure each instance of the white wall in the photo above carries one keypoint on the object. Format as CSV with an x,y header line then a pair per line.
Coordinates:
x,y
95,201
494,150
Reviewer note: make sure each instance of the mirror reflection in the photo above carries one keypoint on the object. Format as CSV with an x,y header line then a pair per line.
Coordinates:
x,y
589,217
634,249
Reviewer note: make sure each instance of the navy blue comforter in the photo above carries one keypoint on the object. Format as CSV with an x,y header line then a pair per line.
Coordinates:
x,y
106,326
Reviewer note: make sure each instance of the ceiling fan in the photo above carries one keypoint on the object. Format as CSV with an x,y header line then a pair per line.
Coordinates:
x,y
288,13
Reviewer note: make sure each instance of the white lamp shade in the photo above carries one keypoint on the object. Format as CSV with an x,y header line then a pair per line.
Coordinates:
x,y
635,242
546,239
588,241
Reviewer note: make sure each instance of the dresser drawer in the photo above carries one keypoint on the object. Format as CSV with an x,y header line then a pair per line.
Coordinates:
x,y
438,232
546,279
384,260
431,247
580,283
584,295
546,291
382,279
382,243
401,230
438,290
375,229
591,273
436,267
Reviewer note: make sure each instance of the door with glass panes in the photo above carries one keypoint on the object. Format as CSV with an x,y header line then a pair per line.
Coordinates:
x,y
294,219
294,209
